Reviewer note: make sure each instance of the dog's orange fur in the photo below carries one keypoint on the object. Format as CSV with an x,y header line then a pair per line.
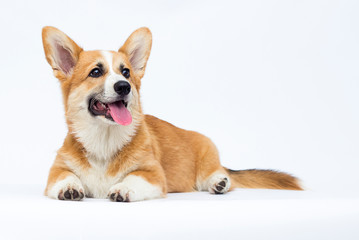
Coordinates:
x,y
171,158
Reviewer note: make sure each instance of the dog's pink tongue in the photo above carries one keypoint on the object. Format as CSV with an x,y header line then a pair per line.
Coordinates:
x,y
119,113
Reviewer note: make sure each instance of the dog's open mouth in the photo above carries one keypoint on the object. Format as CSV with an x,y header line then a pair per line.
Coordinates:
x,y
115,111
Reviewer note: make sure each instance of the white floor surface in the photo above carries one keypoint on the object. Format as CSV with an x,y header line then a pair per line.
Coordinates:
x,y
241,214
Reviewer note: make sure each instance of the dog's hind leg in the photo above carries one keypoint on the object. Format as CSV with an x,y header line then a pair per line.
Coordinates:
x,y
211,176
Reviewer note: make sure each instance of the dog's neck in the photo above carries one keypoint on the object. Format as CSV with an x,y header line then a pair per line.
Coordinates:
x,y
103,141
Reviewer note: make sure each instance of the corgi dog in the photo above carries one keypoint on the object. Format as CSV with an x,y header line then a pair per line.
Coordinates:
x,y
112,150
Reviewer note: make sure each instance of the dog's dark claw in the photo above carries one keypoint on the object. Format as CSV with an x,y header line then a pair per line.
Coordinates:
x,y
119,198
112,196
67,195
75,194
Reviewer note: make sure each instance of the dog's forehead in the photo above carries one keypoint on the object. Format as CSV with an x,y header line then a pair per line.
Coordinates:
x,y
113,59
110,59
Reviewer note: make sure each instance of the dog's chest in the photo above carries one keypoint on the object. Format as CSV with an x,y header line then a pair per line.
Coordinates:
x,y
96,181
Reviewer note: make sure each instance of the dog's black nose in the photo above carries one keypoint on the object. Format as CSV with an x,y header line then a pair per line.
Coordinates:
x,y
123,88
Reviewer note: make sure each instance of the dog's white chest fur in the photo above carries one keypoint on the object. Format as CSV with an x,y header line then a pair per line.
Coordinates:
x,y
96,182
95,179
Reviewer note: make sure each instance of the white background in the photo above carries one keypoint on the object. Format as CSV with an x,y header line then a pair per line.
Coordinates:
x,y
273,83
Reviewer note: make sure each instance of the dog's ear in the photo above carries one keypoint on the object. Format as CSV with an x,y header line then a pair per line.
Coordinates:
x,y
137,48
61,51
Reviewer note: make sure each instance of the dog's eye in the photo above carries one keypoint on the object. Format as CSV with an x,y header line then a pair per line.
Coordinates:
x,y
95,73
126,72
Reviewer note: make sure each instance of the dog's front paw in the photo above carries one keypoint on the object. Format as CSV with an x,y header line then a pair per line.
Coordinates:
x,y
134,188
71,194
219,184
69,188
121,193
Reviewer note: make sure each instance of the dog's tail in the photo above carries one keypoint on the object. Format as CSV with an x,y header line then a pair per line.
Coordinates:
x,y
254,178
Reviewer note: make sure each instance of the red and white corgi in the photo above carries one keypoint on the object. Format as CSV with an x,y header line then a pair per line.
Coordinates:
x,y
112,150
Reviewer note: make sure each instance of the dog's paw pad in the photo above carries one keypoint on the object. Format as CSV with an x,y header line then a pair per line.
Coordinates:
x,y
117,197
71,194
120,193
219,184
69,188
